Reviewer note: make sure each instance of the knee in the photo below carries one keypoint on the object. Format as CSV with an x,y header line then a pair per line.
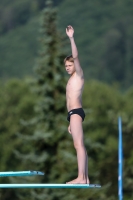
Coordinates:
x,y
78,145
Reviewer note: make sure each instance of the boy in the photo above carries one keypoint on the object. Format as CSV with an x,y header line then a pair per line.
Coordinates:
x,y
76,114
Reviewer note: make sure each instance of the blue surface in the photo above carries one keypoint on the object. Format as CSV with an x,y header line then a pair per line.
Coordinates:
x,y
50,186
21,173
120,161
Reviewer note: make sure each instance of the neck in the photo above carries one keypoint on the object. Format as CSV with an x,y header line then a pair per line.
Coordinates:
x,y
72,74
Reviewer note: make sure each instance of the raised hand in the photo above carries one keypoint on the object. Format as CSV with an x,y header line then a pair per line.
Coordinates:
x,y
69,31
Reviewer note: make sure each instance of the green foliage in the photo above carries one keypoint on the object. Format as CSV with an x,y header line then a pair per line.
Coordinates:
x,y
34,125
53,152
49,124
20,49
105,39
18,36
16,103
16,13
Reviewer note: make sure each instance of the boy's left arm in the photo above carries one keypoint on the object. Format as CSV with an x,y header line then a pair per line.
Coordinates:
x,y
70,33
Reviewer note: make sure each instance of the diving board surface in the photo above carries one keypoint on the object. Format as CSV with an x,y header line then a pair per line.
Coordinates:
x,y
50,185
21,173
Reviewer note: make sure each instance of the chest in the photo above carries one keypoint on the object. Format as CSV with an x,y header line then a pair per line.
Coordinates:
x,y
74,83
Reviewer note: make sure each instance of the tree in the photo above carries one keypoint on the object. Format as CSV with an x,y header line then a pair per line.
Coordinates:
x,y
49,122
16,103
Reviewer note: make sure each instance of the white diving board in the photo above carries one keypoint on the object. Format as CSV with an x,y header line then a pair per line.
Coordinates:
x,y
37,185
21,173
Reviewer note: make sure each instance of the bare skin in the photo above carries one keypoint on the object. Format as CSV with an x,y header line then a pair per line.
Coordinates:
x,y
74,91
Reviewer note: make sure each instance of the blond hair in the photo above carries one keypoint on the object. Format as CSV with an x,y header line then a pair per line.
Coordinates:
x,y
69,58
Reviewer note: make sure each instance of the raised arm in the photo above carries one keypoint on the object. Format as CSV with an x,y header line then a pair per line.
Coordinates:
x,y
70,33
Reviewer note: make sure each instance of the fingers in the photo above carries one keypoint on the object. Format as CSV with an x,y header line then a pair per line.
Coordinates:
x,y
66,30
69,129
69,28
69,31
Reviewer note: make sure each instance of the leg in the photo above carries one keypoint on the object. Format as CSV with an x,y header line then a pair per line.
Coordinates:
x,y
88,181
78,140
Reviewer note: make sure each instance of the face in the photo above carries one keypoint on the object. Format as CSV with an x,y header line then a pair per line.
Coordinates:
x,y
69,67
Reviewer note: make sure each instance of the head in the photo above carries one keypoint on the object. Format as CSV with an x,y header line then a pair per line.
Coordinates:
x,y
69,64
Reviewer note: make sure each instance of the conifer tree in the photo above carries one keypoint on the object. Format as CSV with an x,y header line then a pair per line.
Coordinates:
x,y
49,122
50,87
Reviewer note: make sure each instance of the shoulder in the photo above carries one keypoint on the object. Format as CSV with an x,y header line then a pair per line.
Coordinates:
x,y
79,77
78,67
80,74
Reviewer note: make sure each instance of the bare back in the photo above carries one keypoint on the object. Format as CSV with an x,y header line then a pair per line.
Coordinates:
x,y
74,90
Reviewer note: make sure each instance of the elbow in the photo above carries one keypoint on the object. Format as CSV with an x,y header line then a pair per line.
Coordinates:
x,y
75,56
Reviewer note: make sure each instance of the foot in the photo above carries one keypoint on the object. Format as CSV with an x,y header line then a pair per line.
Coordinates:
x,y
78,181
88,181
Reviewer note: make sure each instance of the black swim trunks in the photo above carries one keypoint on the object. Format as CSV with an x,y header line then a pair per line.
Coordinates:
x,y
78,111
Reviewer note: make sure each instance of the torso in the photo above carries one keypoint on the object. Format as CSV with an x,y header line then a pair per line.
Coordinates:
x,y
74,91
